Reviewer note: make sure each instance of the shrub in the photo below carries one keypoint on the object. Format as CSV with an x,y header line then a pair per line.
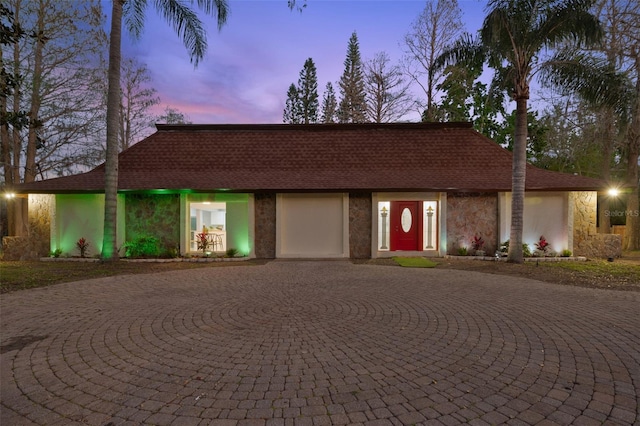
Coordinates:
x,y
462,251
566,253
542,244
145,246
56,253
477,242
526,251
232,252
83,245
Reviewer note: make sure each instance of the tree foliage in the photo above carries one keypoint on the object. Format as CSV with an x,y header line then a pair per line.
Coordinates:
x,y
56,89
387,92
173,116
137,97
353,104
293,106
606,76
301,106
466,98
329,105
308,92
431,33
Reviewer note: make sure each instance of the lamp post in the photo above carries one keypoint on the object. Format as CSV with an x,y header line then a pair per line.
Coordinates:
x,y
384,213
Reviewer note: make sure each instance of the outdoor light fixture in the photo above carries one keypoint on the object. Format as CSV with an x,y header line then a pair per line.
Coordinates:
x,y
613,192
9,195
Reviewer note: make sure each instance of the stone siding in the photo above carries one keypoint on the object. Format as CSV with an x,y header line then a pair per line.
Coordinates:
x,y
265,226
38,243
155,215
360,224
471,214
586,240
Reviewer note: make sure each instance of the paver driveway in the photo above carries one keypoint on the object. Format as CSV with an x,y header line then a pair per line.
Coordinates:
x,y
325,342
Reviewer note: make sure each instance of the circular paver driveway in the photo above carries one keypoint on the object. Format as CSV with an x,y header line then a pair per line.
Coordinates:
x,y
304,343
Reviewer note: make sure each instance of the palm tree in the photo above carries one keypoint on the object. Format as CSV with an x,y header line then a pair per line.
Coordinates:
x,y
512,39
191,30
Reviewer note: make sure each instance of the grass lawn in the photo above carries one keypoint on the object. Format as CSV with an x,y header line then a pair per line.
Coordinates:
x,y
21,275
622,274
415,262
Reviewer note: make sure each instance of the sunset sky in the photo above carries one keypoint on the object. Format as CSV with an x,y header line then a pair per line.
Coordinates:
x,y
252,61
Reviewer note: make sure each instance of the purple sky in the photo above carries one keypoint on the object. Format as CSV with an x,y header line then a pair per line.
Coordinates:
x,y
250,64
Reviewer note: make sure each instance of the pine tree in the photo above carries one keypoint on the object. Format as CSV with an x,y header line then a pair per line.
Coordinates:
x,y
329,105
293,106
353,104
308,92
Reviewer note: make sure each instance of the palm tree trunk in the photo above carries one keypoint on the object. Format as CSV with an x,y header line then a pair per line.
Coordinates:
x,y
109,251
518,182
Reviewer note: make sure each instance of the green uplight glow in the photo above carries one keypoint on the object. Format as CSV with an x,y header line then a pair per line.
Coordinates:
x,y
245,248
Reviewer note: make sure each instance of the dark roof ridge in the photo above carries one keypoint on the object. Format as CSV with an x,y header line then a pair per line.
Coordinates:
x,y
312,127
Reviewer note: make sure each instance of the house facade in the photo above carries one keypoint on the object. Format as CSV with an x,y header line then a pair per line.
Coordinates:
x,y
315,191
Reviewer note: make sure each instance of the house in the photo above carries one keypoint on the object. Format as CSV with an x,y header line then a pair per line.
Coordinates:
x,y
316,191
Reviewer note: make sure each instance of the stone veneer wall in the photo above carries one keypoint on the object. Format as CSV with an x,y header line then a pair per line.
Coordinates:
x,y
471,214
265,226
360,223
37,244
155,215
586,240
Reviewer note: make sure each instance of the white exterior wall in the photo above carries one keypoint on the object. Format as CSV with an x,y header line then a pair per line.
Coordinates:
x,y
78,216
312,225
545,214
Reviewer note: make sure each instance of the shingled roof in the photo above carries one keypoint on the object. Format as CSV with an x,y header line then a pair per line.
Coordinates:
x,y
322,157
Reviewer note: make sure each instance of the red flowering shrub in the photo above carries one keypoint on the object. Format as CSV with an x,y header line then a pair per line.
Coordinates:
x,y
83,246
542,244
477,242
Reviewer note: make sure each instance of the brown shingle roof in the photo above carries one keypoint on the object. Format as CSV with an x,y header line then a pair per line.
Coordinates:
x,y
324,157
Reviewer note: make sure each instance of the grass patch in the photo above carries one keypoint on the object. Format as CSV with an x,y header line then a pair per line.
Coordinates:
x,y
415,262
20,275
599,267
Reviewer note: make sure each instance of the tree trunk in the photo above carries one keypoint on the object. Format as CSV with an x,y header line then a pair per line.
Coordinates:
x,y
32,138
608,141
632,227
518,179
17,215
109,250
5,138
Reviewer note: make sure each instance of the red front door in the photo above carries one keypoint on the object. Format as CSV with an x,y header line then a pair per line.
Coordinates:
x,y
406,225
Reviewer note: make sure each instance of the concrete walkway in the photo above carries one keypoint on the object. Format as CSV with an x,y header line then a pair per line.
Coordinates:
x,y
319,343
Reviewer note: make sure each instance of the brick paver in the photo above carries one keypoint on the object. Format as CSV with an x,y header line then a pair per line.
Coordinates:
x,y
315,343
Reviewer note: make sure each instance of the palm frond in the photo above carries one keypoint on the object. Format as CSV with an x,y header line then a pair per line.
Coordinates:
x,y
133,12
593,79
466,50
569,20
217,8
187,25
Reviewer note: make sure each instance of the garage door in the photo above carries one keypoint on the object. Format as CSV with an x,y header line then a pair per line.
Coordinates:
x,y
312,225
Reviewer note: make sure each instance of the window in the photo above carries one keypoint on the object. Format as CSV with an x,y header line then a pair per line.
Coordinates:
x,y
209,217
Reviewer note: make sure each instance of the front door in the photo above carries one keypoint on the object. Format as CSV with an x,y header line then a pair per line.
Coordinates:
x,y
406,225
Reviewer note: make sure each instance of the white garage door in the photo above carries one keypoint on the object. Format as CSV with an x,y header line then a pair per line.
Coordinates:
x,y
312,225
